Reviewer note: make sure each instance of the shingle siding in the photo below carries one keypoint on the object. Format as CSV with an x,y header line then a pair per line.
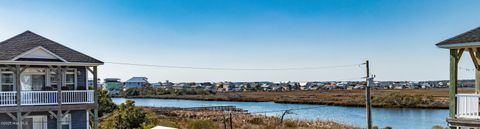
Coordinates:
x,y
79,120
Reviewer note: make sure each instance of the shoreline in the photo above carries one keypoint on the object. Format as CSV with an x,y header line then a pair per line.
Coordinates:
x,y
246,97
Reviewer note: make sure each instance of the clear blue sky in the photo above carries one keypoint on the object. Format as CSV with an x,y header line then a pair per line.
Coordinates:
x,y
397,36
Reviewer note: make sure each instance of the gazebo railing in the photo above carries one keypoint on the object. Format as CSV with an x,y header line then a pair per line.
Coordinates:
x,y
468,106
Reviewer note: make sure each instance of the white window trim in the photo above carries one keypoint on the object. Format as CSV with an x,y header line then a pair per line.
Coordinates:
x,y
75,77
43,116
13,82
69,122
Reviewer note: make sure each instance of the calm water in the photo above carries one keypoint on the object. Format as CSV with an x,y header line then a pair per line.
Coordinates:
x,y
406,118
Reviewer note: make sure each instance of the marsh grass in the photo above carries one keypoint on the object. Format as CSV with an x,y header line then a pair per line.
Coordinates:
x,y
186,119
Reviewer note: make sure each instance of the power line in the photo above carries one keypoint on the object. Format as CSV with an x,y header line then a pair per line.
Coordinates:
x,y
234,69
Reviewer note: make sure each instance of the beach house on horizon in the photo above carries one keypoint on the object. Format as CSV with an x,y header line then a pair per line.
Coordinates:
x,y
135,82
44,85
464,108
112,85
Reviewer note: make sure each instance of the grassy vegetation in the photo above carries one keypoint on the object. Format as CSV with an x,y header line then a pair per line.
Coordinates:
x,y
208,119
412,98
128,116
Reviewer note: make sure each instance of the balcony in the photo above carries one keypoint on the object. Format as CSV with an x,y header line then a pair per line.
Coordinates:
x,y
467,106
8,98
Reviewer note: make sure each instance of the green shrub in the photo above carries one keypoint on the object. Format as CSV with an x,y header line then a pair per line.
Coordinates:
x,y
388,127
127,116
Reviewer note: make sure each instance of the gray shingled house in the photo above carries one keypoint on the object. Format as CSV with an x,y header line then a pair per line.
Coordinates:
x,y
43,85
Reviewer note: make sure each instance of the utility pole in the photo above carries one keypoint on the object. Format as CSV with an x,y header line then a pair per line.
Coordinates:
x,y
368,98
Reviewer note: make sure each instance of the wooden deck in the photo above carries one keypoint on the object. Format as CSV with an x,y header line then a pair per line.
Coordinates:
x,y
46,108
463,122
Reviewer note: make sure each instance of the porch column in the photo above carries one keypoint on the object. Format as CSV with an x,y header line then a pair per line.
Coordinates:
x,y
95,87
475,55
455,55
18,88
59,74
477,81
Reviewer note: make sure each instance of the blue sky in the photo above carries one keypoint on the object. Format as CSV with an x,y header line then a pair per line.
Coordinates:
x,y
397,36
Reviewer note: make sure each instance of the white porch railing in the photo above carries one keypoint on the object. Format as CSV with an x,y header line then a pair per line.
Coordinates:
x,y
8,98
467,106
46,97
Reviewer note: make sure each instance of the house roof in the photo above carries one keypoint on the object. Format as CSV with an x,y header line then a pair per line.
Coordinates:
x,y
469,38
26,41
137,79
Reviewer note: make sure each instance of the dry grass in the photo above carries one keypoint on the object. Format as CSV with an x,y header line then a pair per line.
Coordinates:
x,y
331,97
186,119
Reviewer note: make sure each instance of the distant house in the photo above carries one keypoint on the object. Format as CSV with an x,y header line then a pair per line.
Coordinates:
x,y
228,86
181,86
135,82
112,85
156,85
167,85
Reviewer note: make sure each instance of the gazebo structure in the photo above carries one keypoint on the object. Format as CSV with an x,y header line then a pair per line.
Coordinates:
x,y
463,108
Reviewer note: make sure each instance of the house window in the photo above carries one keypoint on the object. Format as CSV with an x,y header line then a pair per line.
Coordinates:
x,y
53,78
33,79
6,81
67,122
70,79
35,122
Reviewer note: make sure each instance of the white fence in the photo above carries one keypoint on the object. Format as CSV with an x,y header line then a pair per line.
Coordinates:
x,y
467,106
46,97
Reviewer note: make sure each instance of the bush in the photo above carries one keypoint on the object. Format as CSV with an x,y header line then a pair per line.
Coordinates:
x,y
388,127
398,99
202,124
106,105
127,116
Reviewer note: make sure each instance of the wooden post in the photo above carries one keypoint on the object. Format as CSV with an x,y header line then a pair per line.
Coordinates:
x,y
95,87
454,58
368,103
18,88
474,54
59,74
477,81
